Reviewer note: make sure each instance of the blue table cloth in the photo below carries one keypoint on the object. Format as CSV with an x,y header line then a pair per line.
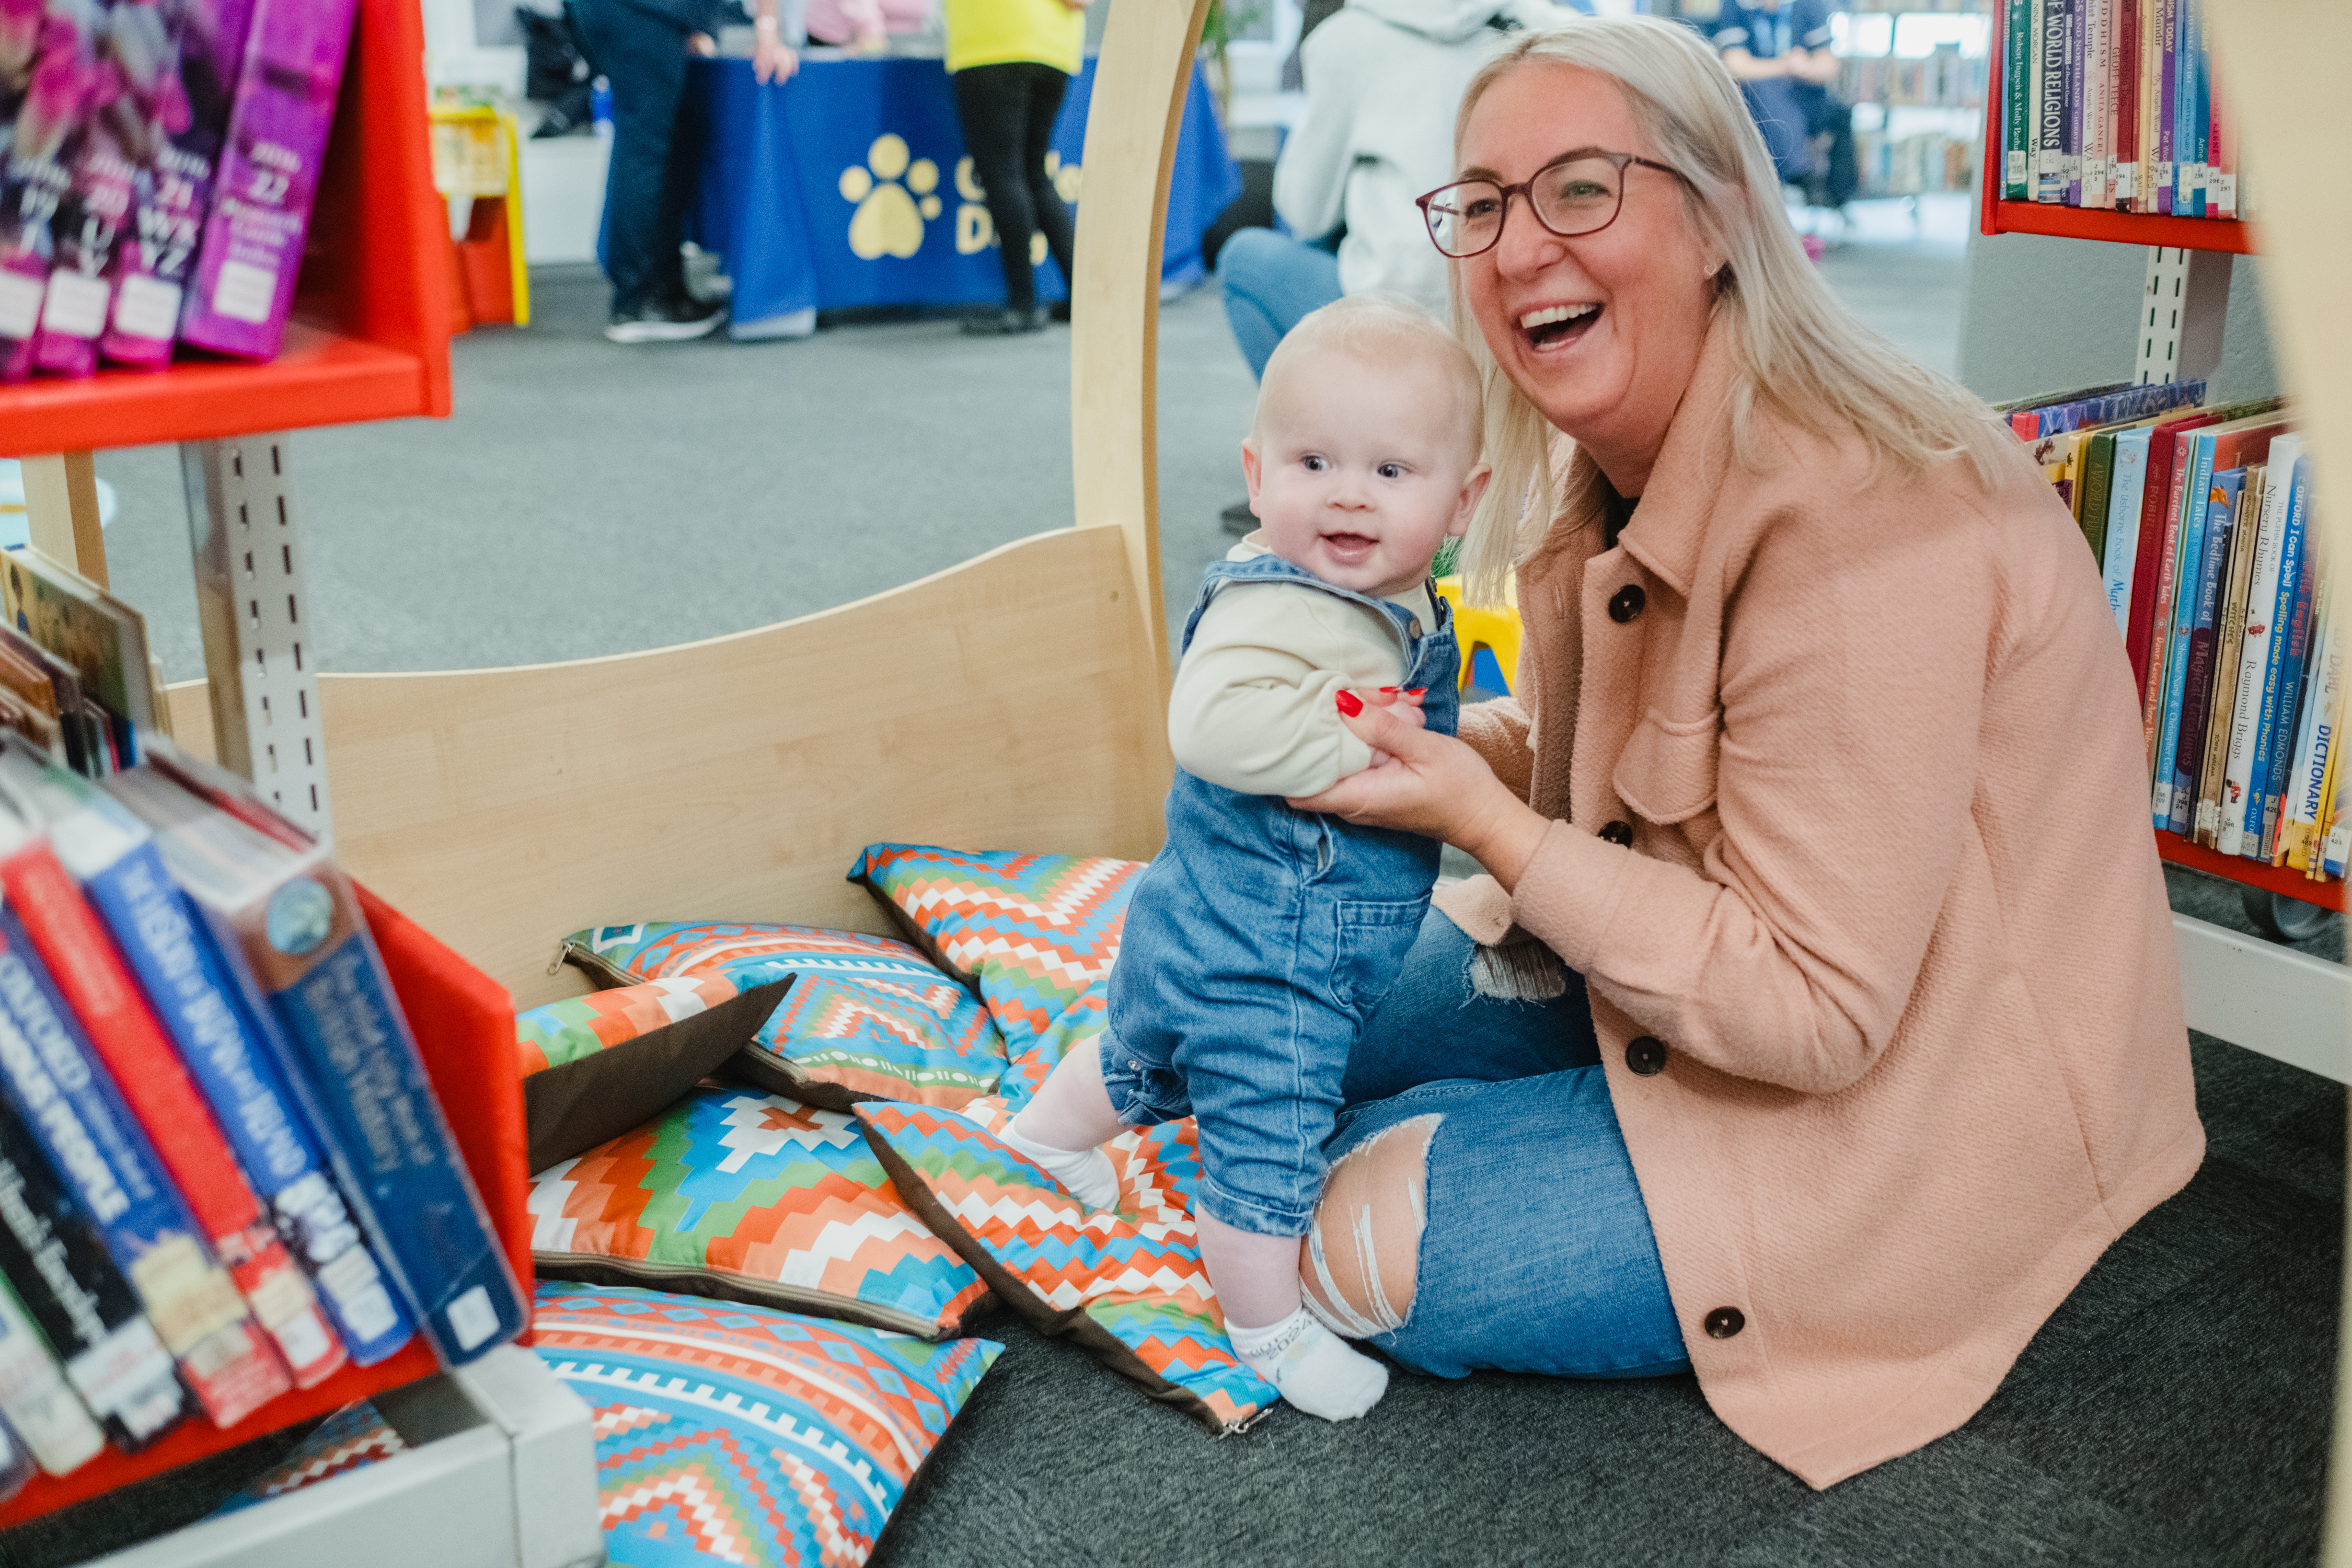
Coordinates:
x,y
848,185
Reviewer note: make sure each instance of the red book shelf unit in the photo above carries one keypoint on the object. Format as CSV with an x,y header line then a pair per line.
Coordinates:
x,y
1998,217
371,338
369,341
2278,879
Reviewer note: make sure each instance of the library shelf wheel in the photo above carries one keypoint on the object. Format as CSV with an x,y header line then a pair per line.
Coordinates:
x,y
2282,918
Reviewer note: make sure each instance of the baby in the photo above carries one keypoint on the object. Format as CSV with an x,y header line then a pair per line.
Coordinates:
x,y
1261,938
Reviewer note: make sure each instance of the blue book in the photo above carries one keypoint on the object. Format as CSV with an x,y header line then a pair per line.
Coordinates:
x,y
54,1081
2125,498
2294,654
294,920
2188,569
2197,703
2268,741
186,980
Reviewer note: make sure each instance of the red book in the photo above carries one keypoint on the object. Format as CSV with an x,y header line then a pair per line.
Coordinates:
x,y
72,941
2127,74
2160,538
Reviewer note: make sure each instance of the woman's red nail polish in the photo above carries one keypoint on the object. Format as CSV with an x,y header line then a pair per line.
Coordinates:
x,y
1350,703
1417,691
1390,689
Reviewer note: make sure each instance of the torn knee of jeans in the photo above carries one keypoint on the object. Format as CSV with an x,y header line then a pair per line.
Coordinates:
x,y
1518,971
1362,1258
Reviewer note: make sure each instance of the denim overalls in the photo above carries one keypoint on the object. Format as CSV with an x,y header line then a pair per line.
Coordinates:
x,y
1258,941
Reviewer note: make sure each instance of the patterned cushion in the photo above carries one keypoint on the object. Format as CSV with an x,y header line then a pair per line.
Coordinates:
x,y
868,1018
1127,1286
351,1439
750,1197
1033,932
735,1435
595,1066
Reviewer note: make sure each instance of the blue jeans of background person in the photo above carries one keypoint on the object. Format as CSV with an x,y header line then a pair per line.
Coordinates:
x,y
656,148
1785,120
1258,943
1270,281
1536,1254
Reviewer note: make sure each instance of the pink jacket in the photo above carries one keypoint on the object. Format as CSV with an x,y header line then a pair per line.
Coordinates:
x,y
1891,908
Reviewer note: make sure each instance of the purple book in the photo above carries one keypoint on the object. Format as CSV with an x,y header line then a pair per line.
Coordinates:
x,y
252,245
2075,99
2168,77
54,85
130,104
153,259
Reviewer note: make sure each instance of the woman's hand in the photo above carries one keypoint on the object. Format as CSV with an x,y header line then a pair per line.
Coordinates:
x,y
1433,785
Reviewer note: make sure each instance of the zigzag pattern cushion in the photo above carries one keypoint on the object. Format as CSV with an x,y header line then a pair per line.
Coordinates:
x,y
750,1197
1035,933
572,1030
867,1017
1127,1286
744,1435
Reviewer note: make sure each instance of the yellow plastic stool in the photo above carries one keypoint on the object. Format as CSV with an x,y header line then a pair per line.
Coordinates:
x,y
1494,629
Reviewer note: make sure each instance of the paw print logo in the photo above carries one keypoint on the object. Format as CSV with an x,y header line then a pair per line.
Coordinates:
x,y
889,219
975,232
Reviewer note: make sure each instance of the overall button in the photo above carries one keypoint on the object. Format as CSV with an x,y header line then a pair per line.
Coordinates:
x,y
1617,833
1646,1055
1725,1322
1626,603
1413,626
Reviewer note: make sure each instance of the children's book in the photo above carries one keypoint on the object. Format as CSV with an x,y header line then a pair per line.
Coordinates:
x,y
2152,569
104,639
225,1044
2197,693
2167,48
33,1396
2228,647
2282,677
2126,491
2302,808
100,162
295,920
2126,180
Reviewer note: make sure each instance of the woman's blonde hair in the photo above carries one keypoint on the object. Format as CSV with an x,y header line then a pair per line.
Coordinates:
x,y
1802,356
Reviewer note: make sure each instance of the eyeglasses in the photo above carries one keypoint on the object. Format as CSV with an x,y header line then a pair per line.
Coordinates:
x,y
1576,195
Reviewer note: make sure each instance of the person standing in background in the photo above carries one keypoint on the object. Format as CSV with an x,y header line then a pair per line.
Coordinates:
x,y
640,47
865,25
1381,78
1011,61
1778,52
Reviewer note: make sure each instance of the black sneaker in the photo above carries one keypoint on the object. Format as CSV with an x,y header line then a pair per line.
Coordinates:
x,y
1239,520
666,321
1005,324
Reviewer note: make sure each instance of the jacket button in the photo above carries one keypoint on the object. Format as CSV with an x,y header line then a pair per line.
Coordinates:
x,y
1646,1055
1413,626
1626,603
1618,833
1725,1322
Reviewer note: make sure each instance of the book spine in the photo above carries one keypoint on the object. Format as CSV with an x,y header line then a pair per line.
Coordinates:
x,y
40,1407
2075,95
59,1268
2123,525
2098,484
2315,741
2334,837
74,946
2152,562
2229,648
2293,654
2050,101
2282,610
2220,154
2197,122
2254,664
184,975
173,193
75,1112
2159,652
2127,79
2166,48
97,201
65,71
2197,701
2176,666
2017,102
2099,104
268,177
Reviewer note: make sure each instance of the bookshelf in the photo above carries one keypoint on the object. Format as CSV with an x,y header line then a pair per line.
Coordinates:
x,y
368,340
2203,300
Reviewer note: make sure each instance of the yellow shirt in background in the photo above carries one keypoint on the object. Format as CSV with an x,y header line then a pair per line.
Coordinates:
x,y
995,32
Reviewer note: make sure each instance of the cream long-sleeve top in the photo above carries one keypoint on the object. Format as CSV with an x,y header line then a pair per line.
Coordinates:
x,y
1254,708
1876,940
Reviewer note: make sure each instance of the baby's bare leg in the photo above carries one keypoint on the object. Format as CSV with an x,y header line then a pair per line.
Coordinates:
x,y
1062,1126
1256,1281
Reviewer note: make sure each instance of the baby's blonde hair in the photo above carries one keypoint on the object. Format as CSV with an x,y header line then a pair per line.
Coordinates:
x,y
1379,330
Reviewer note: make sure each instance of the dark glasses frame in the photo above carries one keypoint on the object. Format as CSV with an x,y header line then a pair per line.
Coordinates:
x,y
1526,188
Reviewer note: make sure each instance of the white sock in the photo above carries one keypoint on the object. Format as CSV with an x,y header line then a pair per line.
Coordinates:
x,y
1086,1174
1312,1366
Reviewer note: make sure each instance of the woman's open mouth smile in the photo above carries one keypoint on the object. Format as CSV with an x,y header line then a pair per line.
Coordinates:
x,y
1555,326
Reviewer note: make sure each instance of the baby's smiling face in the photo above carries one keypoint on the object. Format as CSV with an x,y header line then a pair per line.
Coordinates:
x,y
1359,471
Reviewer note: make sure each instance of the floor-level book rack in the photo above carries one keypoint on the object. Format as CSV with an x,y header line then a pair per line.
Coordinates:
x,y
2252,992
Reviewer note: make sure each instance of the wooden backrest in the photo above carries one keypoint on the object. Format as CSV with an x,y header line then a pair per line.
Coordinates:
x,y
1015,702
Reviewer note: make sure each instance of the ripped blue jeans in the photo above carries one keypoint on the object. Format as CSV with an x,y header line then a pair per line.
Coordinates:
x,y
1536,1252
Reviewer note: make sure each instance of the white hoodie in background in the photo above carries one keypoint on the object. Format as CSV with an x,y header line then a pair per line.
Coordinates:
x,y
1383,78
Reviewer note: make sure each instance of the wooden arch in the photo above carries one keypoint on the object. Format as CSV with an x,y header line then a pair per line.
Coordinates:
x,y
1015,701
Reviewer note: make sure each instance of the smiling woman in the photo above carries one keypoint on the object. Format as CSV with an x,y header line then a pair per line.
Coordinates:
x,y
1776,1044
